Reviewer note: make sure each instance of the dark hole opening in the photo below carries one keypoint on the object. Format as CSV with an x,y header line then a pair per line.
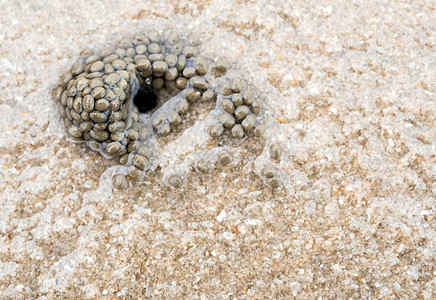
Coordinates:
x,y
145,100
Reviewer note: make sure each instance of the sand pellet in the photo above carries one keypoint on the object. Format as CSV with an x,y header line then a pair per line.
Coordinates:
x,y
237,131
216,130
119,181
97,99
175,181
225,158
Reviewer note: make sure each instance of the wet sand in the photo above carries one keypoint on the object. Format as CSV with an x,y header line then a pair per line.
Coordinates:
x,y
350,92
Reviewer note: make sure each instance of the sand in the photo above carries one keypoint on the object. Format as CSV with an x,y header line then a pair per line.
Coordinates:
x,y
349,87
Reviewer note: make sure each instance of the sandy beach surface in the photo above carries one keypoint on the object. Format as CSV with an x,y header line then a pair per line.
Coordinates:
x,y
349,88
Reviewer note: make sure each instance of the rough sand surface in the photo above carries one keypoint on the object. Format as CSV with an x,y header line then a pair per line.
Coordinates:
x,y
351,87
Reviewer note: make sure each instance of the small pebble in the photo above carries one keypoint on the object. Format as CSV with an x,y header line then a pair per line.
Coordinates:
x,y
269,171
174,118
117,136
248,97
94,75
143,64
189,72
125,43
192,95
101,105
77,69
225,89
227,120
110,95
124,159
70,102
85,116
156,57
274,182
237,131
141,49
249,122
135,173
116,126
228,106
97,66
145,151
74,131
170,85
113,148
159,67
119,182
94,145
237,99
105,51
131,52
100,126
113,78
86,52
171,74
275,150
92,58
255,107
72,91
200,65
110,58
122,84
98,92
108,69
176,49
204,166
171,60
154,36
95,82
175,181
132,134
97,116
133,146
119,64
85,126
181,82
115,105
115,116
141,162
173,37
153,48
181,63
260,129
190,51
144,134
99,135
199,83
77,104
209,96
182,107
140,39
236,85
124,74
164,129
157,119
241,112
194,39
225,158
82,83
158,83
222,64
216,130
